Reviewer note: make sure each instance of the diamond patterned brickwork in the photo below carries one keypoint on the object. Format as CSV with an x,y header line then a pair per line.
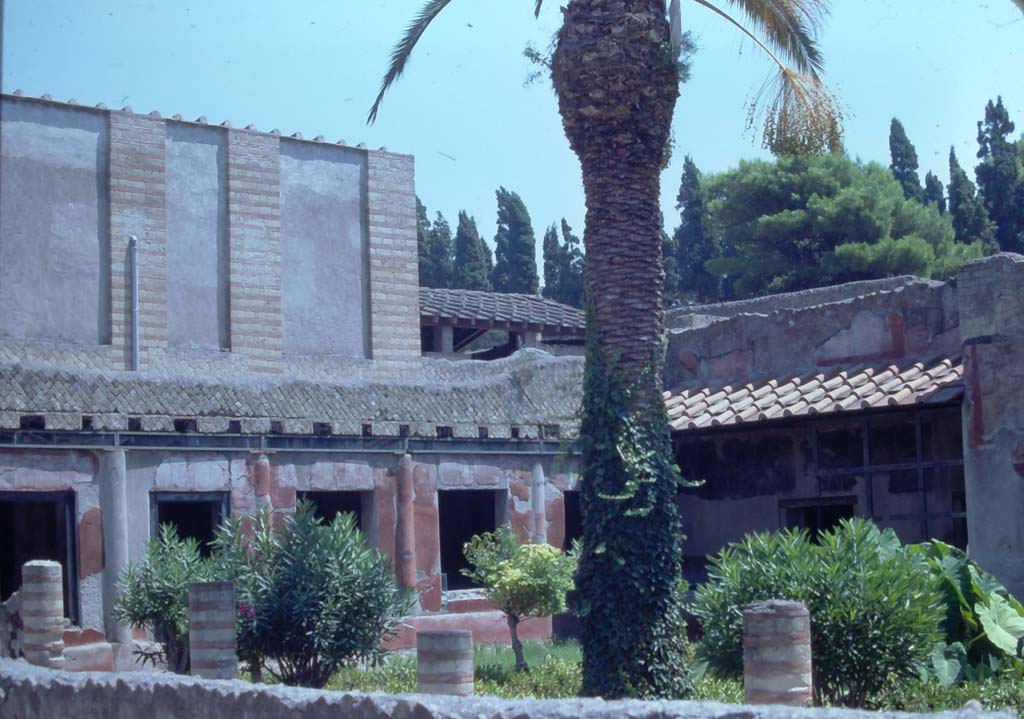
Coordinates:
x,y
818,392
492,309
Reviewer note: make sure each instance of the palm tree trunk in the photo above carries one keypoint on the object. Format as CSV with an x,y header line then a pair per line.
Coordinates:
x,y
617,83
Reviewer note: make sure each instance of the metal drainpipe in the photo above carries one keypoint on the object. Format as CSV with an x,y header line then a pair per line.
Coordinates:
x,y
133,261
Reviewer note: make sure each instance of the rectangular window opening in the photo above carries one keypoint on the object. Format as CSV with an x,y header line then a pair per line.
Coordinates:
x,y
444,432
194,515
327,505
818,515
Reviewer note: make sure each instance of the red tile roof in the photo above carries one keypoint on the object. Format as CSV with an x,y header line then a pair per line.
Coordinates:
x,y
826,391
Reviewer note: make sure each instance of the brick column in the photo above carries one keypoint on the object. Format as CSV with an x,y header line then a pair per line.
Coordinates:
x,y
991,294
254,248
42,613
777,654
138,207
212,641
444,662
394,260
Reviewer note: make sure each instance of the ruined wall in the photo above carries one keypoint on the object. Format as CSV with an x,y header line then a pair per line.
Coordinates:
x,y
34,693
918,318
254,250
992,307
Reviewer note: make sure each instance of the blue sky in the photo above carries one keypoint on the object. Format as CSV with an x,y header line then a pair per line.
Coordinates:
x,y
462,108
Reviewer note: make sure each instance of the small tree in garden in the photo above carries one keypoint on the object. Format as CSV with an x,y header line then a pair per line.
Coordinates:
x,y
154,595
523,580
313,597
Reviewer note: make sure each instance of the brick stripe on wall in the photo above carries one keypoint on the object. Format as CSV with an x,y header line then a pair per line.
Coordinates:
x,y
254,241
393,258
137,207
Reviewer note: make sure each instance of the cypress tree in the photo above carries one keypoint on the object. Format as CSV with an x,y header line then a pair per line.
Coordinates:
x,y
552,263
934,193
970,220
515,262
472,270
440,250
670,266
571,271
427,273
693,244
904,161
999,176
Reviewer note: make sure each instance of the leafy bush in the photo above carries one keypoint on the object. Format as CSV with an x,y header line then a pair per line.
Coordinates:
x,y
523,580
154,595
875,608
996,692
315,597
984,624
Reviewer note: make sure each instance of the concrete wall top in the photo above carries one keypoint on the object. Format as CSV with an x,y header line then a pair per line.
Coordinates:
x,y
31,693
864,322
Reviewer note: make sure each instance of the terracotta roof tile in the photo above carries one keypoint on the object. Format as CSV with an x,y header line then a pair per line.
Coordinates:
x,y
863,387
499,310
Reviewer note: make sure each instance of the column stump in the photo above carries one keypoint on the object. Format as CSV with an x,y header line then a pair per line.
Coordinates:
x,y
212,642
42,613
777,653
444,662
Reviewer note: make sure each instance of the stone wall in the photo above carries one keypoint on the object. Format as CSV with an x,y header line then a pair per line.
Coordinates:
x,y
914,318
28,692
300,248
992,302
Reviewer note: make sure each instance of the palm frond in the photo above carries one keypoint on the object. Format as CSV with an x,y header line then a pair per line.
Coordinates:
x,y
536,9
799,115
403,50
789,26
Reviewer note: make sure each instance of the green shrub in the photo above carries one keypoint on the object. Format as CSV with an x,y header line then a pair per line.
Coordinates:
x,y
875,608
984,624
523,580
314,596
154,595
1003,690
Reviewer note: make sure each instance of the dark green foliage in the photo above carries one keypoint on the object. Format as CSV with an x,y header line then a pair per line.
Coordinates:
x,y
630,568
472,269
904,161
933,193
515,265
154,594
984,624
927,696
441,251
694,245
563,266
423,244
1000,175
875,607
318,597
967,209
801,222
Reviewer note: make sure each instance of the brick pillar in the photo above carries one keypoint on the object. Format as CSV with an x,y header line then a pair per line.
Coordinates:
x,y
777,654
261,482
405,529
254,248
991,295
138,207
394,259
212,641
539,535
444,662
42,613
113,492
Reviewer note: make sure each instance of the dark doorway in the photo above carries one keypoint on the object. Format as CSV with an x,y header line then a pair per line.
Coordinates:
x,y
38,525
817,516
461,515
573,518
195,515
